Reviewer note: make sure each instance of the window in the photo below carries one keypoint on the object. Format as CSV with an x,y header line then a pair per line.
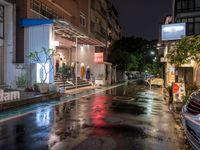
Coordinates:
x,y
197,19
197,28
197,3
43,10
93,4
92,26
36,5
98,21
55,16
190,29
191,4
190,19
184,20
1,22
179,5
184,4
82,20
187,5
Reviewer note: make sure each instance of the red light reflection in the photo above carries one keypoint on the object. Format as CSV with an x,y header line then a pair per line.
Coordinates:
x,y
98,113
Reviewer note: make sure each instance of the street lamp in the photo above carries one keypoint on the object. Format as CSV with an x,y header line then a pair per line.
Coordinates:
x,y
152,53
155,59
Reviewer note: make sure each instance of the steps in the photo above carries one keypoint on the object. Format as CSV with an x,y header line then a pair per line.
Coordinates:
x,y
71,83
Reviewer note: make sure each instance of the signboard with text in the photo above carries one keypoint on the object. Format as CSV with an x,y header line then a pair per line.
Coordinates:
x,y
178,90
98,58
174,31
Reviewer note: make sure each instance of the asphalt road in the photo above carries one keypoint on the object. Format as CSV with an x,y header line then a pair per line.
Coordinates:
x,y
129,117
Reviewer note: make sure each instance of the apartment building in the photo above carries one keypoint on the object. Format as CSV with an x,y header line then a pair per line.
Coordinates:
x,y
114,28
187,11
79,29
7,41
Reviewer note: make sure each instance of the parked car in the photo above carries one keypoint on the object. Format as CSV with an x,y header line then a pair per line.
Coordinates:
x,y
191,119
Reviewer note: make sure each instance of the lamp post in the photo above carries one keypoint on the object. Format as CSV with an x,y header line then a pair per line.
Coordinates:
x,y
76,59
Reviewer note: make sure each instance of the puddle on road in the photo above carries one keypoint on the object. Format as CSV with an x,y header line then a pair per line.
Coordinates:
x,y
123,107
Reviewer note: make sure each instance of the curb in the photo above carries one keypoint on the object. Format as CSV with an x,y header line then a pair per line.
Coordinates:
x,y
27,101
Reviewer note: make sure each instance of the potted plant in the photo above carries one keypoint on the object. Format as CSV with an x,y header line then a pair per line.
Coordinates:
x,y
22,82
43,57
64,72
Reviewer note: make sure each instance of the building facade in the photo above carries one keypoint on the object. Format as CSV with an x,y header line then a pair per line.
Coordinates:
x,y
75,29
7,41
187,11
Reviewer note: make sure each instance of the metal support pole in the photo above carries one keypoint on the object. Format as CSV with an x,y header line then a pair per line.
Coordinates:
x,y
76,59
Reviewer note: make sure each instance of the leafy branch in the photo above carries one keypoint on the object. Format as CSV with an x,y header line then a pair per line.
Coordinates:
x,y
37,58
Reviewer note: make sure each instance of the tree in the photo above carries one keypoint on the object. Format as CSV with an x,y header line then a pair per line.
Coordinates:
x,y
64,72
135,61
186,50
43,57
120,58
128,53
153,68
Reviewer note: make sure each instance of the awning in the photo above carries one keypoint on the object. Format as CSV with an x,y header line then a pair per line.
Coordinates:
x,y
67,31
64,30
34,22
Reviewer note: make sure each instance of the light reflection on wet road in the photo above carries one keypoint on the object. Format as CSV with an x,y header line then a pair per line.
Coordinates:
x,y
128,117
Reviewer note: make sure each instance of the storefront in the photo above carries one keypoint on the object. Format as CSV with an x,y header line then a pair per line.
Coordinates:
x,y
73,47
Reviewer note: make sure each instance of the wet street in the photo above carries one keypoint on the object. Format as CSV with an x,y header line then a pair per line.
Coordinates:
x,y
129,117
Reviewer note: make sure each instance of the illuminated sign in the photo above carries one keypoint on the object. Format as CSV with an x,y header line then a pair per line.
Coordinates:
x,y
98,58
173,31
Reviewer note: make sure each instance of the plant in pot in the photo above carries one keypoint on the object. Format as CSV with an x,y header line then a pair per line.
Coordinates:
x,y
64,72
43,57
22,82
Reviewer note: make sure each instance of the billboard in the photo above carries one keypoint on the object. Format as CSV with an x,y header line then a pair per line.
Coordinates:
x,y
173,31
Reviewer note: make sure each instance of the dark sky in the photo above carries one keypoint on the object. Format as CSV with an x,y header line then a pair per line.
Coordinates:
x,y
141,18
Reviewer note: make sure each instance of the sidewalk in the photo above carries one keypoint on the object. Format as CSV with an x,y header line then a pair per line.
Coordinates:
x,y
176,109
27,98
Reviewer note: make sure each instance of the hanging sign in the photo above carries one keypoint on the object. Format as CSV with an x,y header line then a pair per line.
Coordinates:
x,y
98,58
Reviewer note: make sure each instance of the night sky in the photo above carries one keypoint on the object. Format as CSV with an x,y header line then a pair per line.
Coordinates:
x,y
141,18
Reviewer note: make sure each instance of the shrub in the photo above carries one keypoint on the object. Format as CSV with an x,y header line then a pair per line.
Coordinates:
x,y
22,81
